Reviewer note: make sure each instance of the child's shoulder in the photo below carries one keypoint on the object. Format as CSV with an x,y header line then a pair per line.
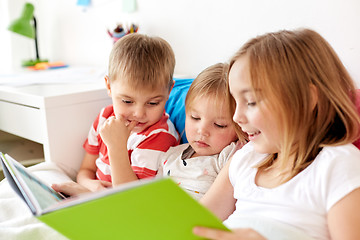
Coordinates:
x,y
163,125
247,155
245,149
107,111
177,149
229,150
174,152
104,114
341,155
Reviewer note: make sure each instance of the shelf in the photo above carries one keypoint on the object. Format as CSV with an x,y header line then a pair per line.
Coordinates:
x,y
27,152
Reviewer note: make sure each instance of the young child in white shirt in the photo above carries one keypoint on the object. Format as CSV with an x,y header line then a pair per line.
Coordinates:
x,y
210,131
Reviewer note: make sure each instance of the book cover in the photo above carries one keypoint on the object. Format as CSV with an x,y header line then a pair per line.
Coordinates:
x,y
147,209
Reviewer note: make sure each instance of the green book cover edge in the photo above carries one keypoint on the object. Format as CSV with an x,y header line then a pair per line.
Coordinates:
x,y
158,210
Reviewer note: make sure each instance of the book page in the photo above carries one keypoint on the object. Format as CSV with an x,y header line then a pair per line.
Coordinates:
x,y
14,182
44,195
37,195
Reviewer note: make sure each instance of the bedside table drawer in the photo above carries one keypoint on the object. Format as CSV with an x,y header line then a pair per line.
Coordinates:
x,y
21,120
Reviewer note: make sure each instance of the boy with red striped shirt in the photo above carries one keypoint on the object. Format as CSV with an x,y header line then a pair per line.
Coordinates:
x,y
134,130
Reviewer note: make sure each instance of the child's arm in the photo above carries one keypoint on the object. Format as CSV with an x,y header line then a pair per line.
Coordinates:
x,y
344,217
219,198
115,133
87,174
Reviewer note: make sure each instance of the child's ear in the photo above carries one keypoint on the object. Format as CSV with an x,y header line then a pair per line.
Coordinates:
x,y
173,83
107,84
314,96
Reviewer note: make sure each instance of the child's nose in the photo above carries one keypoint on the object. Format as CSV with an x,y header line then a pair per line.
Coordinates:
x,y
139,112
239,116
203,129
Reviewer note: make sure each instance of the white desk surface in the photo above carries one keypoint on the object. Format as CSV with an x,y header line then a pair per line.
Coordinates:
x,y
47,95
51,88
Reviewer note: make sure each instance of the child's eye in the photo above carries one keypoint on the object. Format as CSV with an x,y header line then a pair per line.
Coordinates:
x,y
127,101
195,118
153,103
220,125
251,104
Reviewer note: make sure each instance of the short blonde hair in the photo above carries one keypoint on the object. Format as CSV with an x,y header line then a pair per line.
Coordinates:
x,y
212,83
142,60
284,65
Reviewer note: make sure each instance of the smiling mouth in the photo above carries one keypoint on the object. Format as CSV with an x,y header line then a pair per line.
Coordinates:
x,y
138,124
252,135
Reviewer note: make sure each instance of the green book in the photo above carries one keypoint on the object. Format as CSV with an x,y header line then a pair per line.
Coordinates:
x,y
146,209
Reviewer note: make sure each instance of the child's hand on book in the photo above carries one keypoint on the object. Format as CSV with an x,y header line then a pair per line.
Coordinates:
x,y
95,185
70,188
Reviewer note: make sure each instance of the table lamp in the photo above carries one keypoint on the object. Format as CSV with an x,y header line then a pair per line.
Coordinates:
x,y
23,26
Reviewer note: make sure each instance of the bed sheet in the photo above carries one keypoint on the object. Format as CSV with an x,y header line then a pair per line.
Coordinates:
x,y
16,220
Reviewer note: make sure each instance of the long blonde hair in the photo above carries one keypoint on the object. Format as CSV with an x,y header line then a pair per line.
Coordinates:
x,y
284,65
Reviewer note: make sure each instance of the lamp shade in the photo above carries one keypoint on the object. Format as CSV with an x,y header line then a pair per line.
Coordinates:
x,y
22,25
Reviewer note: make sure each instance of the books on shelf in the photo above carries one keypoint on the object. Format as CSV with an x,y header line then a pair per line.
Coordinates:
x,y
145,209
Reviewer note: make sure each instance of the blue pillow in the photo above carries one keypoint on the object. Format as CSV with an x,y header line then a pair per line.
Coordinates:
x,y
175,106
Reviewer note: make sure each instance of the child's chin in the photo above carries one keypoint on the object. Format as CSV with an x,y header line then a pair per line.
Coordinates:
x,y
138,129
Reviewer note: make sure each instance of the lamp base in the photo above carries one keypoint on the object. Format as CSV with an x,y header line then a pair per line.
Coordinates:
x,y
31,63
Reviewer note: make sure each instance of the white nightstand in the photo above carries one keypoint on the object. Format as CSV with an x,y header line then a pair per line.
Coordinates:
x,y
58,116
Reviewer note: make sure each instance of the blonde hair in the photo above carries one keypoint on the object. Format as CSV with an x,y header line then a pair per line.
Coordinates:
x,y
212,83
284,65
142,61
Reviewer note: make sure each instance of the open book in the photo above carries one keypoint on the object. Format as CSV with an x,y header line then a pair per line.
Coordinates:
x,y
145,209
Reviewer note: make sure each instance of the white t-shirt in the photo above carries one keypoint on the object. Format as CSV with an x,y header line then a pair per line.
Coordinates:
x,y
304,201
194,174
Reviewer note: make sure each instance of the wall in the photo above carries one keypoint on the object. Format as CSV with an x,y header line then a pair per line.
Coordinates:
x,y
202,32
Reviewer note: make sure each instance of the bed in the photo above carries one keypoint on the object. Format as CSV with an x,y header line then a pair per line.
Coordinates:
x,y
17,222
